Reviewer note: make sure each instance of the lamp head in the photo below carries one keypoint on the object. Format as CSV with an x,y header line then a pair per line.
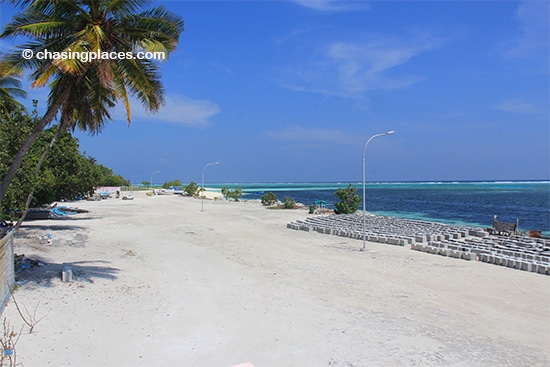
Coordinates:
x,y
390,132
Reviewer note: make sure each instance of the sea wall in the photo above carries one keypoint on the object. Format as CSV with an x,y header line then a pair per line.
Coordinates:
x,y
7,275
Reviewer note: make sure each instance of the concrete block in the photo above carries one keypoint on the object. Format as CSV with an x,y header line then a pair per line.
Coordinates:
x,y
469,256
454,253
526,265
488,258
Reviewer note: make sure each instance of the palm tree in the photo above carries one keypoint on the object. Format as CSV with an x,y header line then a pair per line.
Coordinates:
x,y
84,92
10,87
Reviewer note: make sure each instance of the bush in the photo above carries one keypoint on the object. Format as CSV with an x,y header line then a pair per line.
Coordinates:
x,y
232,194
289,203
169,184
349,200
192,189
269,198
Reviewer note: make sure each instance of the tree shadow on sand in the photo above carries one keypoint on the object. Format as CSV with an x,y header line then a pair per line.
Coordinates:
x,y
53,225
49,274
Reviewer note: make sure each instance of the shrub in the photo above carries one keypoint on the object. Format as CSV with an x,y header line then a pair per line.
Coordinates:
x,y
349,200
289,203
192,189
232,194
236,194
269,198
168,184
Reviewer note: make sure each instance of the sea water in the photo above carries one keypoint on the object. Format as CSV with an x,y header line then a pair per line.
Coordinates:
x,y
469,203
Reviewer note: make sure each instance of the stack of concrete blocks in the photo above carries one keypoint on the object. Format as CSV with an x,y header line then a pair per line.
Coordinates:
x,y
461,242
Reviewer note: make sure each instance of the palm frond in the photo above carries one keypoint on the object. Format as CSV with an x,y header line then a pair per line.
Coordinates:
x,y
90,25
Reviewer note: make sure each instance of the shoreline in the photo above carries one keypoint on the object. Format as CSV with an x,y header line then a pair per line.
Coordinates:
x,y
157,281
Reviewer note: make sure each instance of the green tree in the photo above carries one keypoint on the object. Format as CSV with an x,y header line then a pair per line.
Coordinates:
x,y
235,194
10,87
168,184
349,200
269,198
14,129
192,189
108,178
289,203
84,93
225,192
65,173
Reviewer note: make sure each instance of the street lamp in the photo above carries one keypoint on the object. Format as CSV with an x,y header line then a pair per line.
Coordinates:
x,y
364,190
202,187
151,182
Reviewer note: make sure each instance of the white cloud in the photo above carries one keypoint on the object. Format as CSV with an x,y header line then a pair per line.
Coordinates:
x,y
333,5
315,135
518,106
180,110
351,68
534,25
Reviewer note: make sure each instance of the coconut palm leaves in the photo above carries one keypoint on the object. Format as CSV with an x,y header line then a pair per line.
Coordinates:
x,y
74,28
10,88
83,90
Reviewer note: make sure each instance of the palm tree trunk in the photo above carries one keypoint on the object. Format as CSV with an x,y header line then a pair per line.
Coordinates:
x,y
36,171
18,159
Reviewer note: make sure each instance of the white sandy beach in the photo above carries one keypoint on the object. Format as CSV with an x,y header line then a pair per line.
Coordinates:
x,y
157,282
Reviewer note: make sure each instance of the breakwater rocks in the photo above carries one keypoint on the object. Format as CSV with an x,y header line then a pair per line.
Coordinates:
x,y
461,242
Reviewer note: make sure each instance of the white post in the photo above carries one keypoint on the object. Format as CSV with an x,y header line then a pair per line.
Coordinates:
x,y
202,187
364,186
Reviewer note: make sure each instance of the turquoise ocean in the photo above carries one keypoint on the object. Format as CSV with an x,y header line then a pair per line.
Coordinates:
x,y
468,203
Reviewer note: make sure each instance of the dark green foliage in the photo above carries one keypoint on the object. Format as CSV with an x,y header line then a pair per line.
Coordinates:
x,y
168,184
65,173
289,203
349,200
83,94
192,189
14,129
225,191
269,198
232,194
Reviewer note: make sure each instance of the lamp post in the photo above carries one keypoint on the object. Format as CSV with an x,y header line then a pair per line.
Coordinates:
x,y
151,182
364,189
202,187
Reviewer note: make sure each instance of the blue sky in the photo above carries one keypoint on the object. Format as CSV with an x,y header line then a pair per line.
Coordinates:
x,y
290,91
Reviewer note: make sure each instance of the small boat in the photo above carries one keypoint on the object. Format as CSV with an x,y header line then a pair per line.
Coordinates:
x,y
503,228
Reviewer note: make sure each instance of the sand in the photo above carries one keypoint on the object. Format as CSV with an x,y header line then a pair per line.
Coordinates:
x,y
158,282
